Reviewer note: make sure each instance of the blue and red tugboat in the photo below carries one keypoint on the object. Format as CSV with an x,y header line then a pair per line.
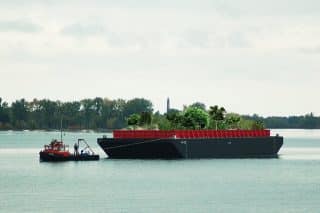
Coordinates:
x,y
58,151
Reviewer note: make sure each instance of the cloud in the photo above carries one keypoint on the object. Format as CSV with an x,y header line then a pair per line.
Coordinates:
x,y
196,38
238,40
106,38
209,39
310,50
266,8
213,45
19,26
83,30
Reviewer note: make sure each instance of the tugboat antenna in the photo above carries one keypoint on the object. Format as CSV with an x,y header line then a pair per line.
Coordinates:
x,y
61,129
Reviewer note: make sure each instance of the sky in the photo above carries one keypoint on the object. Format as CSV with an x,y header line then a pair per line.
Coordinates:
x,y
250,56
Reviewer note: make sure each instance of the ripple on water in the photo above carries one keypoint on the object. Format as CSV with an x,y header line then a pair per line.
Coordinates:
x,y
296,153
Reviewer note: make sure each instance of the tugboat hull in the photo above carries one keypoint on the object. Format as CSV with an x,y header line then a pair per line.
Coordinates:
x,y
49,157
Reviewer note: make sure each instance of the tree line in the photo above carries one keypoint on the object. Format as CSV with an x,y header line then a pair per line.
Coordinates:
x,y
96,113
103,113
308,121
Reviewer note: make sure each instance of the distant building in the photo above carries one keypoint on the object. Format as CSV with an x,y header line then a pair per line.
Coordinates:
x,y
168,104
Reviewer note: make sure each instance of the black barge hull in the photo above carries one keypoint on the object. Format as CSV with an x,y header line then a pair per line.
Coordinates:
x,y
169,148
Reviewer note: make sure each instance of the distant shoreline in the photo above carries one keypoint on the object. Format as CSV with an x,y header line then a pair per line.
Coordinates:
x,y
103,114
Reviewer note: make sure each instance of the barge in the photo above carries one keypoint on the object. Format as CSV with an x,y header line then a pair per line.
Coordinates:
x,y
175,144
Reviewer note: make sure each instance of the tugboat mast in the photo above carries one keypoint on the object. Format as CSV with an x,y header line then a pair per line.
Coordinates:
x,y
61,129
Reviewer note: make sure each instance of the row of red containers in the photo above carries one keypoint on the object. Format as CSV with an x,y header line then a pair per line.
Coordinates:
x,y
190,133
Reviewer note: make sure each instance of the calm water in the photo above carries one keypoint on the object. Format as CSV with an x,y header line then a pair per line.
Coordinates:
x,y
288,184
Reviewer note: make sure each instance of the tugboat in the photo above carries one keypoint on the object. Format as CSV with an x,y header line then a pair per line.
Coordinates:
x,y
58,151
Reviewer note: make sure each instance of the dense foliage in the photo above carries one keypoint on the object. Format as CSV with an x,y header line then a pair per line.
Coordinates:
x,y
194,117
99,113
94,113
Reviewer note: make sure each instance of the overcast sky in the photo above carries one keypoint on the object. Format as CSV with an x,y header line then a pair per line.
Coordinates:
x,y
250,56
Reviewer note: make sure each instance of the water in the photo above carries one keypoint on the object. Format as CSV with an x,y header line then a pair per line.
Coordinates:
x,y
288,184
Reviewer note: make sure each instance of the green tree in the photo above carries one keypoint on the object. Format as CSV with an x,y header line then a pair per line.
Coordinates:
x,y
145,118
199,105
137,105
97,108
161,122
174,117
4,112
106,113
50,113
133,120
217,115
19,113
257,125
195,118
35,114
71,115
232,121
88,112
118,118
